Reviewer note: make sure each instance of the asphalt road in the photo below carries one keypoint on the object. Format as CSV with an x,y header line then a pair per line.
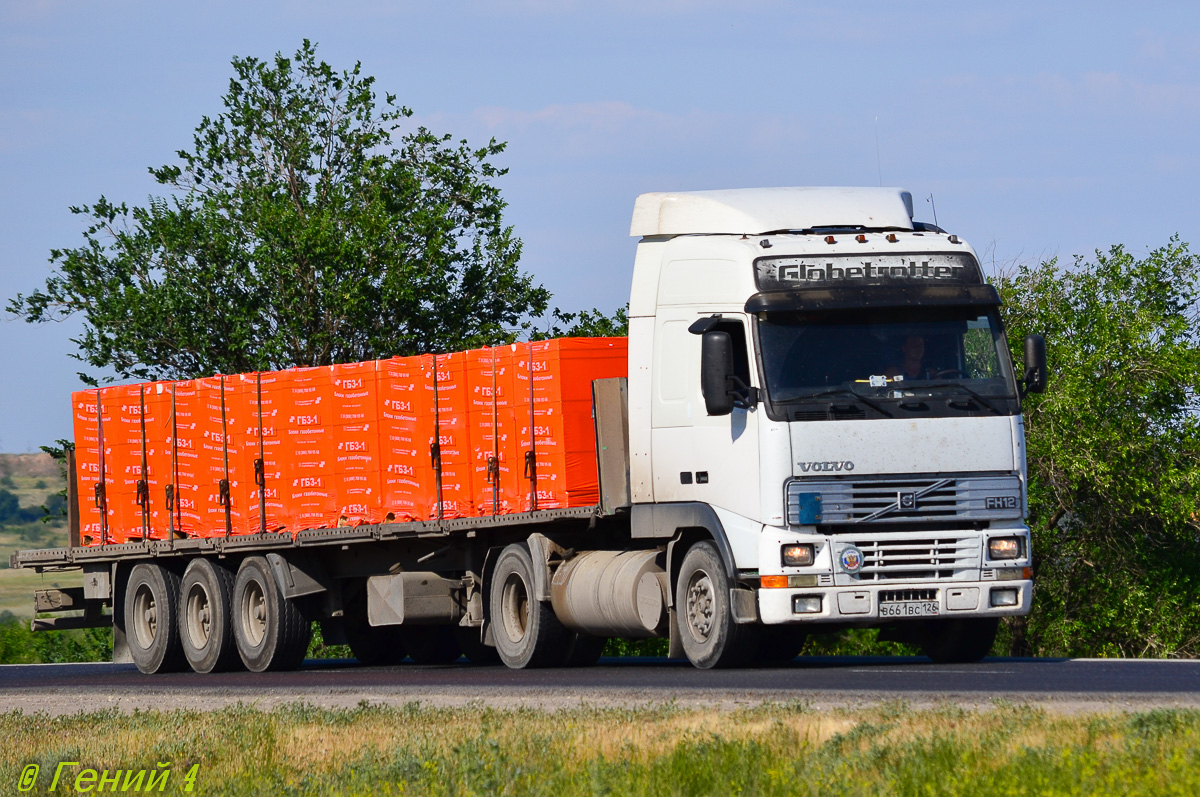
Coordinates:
x,y
1074,684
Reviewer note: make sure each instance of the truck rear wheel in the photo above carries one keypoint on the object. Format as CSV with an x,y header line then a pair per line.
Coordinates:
x,y
710,637
152,619
959,641
526,630
271,632
205,619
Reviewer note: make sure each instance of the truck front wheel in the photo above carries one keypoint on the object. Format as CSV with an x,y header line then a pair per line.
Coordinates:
x,y
271,631
526,631
710,637
205,619
152,619
959,641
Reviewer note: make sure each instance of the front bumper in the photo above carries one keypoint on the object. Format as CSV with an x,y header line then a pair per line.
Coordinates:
x,y
860,604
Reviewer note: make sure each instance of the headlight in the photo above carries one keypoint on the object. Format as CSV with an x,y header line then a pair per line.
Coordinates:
x,y
1004,548
806,604
798,555
1003,597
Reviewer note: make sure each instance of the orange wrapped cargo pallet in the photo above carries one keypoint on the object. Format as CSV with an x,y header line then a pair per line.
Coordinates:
x,y
487,431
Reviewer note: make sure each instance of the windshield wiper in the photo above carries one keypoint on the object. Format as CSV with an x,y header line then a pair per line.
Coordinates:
x,y
972,393
845,391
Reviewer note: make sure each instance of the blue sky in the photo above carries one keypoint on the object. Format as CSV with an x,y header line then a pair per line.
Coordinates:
x,y
1039,129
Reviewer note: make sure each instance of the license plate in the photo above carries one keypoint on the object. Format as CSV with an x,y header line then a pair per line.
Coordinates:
x,y
908,609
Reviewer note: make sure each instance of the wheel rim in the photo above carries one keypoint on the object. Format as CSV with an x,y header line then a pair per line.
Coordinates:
x,y
514,607
254,613
145,616
701,597
199,616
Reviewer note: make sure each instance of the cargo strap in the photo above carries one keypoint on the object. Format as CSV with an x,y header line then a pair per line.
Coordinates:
x,y
143,489
435,449
260,466
531,454
101,497
224,483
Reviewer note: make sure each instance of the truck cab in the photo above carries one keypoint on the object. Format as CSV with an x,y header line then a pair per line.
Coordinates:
x,y
823,385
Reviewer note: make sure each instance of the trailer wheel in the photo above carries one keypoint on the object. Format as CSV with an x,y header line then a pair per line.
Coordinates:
x,y
206,627
271,632
710,637
958,641
431,644
526,630
152,619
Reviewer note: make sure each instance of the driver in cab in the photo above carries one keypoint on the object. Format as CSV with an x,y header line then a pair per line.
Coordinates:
x,y
913,365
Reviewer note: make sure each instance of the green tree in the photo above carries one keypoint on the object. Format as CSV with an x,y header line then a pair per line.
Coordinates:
x,y
304,227
1113,452
585,324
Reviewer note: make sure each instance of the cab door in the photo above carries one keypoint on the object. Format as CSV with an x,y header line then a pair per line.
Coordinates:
x,y
698,457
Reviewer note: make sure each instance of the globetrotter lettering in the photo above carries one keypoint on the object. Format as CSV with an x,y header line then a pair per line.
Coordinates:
x,y
833,467
824,272
791,272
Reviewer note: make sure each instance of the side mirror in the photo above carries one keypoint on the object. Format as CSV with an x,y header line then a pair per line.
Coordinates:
x,y
716,366
1034,380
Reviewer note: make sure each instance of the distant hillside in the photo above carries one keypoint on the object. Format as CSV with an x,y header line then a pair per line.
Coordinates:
x,y
36,466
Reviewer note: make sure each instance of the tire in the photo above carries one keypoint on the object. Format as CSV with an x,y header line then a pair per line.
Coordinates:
x,y
372,645
958,641
271,633
431,644
473,648
206,626
527,632
710,637
152,619
584,650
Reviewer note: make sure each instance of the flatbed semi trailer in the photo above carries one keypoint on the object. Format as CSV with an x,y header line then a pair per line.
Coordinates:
x,y
819,428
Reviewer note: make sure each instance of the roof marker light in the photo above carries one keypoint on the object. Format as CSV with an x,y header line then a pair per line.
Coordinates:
x,y
862,239
829,239
891,236
953,239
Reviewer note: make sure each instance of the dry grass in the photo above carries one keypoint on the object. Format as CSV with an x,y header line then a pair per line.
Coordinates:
x,y
771,749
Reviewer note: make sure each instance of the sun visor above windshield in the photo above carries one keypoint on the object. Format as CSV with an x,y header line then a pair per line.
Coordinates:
x,y
874,296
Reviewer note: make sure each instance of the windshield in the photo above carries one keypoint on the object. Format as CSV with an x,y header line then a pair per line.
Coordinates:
x,y
884,357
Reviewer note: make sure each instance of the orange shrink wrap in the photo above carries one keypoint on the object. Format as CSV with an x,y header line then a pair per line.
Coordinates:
x,y
405,432
357,455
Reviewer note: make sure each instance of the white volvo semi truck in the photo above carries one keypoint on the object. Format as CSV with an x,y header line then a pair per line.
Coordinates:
x,y
820,429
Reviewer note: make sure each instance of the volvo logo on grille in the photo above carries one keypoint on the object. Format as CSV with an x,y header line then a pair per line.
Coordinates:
x,y
906,500
826,466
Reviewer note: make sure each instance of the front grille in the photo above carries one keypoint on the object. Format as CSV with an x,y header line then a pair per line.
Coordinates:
x,y
910,557
903,595
921,499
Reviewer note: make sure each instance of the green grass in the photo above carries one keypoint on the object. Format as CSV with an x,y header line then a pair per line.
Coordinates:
x,y
767,750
